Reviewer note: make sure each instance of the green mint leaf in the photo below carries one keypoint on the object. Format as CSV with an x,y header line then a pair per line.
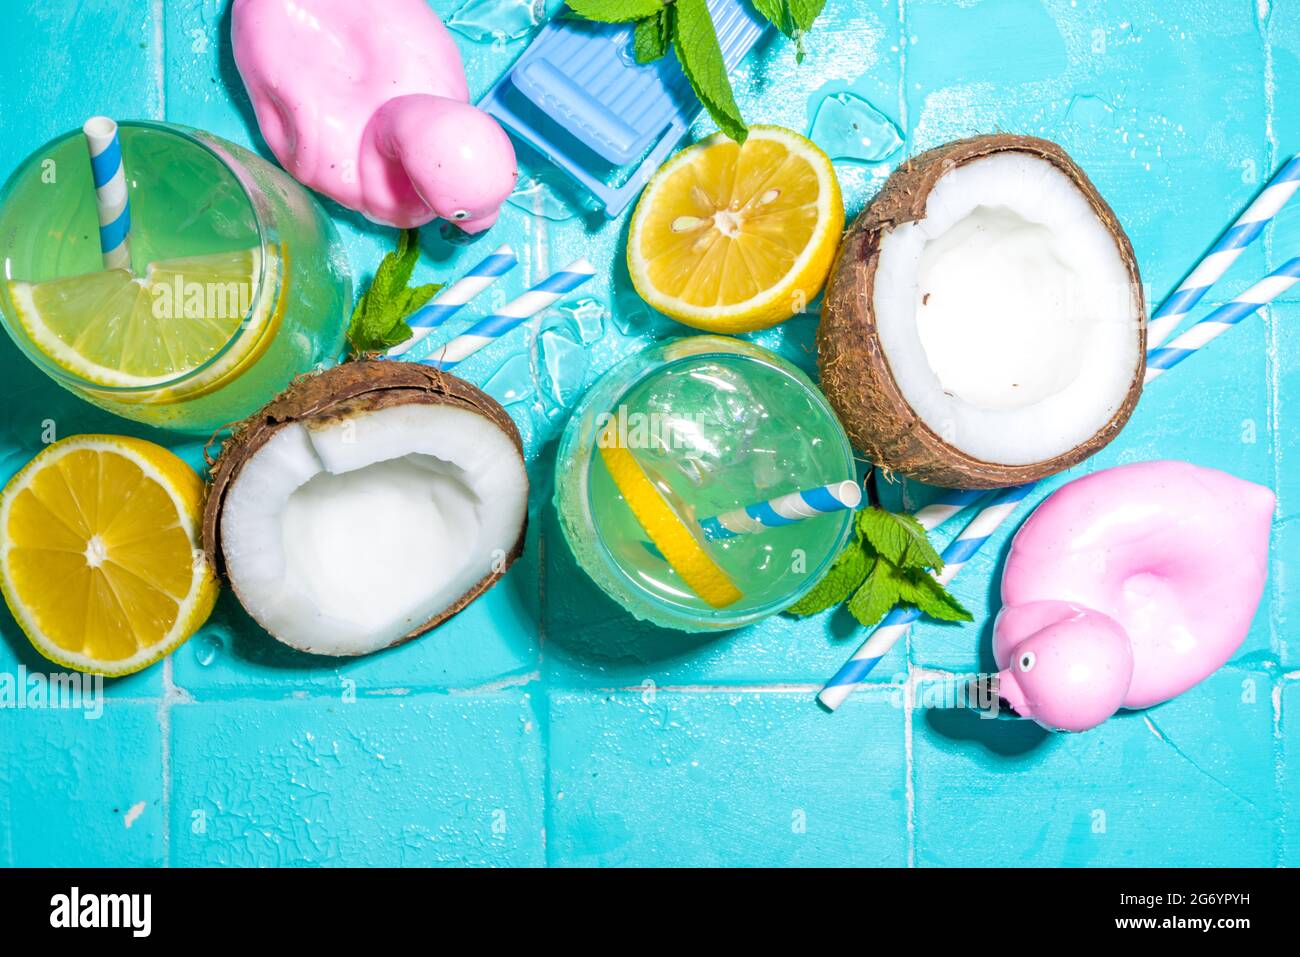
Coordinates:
x,y
651,38
378,321
805,12
919,589
846,575
615,11
696,42
879,593
776,12
899,538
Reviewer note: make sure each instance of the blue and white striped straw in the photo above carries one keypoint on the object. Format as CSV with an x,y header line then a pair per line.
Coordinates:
x,y
546,293
111,199
784,510
1224,318
949,502
899,621
1224,253
451,300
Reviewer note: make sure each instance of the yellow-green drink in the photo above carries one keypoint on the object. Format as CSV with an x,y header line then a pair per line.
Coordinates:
x,y
685,431
237,281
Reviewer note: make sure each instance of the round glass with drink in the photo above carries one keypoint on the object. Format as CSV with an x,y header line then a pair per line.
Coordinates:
x,y
705,483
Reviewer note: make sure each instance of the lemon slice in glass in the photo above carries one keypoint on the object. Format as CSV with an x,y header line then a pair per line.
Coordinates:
x,y
114,329
99,553
732,238
678,544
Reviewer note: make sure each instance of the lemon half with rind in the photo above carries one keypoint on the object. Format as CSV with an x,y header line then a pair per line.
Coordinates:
x,y
677,543
114,329
732,238
99,553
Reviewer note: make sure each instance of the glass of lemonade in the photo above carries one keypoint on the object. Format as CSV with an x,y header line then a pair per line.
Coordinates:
x,y
238,282
713,424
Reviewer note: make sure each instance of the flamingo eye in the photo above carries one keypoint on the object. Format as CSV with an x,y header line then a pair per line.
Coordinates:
x,y
459,215
1027,661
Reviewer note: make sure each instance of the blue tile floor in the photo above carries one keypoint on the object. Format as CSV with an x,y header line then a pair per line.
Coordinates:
x,y
543,726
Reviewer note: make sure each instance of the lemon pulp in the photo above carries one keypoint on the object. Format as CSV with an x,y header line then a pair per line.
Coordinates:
x,y
115,329
678,544
732,238
99,558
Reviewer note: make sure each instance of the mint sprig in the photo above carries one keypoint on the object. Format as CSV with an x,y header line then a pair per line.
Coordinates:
x,y
685,25
379,320
890,561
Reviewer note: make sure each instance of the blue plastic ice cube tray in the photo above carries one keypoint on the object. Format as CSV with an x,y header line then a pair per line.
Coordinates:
x,y
578,96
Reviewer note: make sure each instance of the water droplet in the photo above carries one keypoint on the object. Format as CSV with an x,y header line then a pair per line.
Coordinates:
x,y
564,368
512,381
541,195
587,317
1090,110
497,20
632,317
207,647
847,127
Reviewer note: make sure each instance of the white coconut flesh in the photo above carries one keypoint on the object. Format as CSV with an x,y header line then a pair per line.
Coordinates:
x,y
343,536
1007,314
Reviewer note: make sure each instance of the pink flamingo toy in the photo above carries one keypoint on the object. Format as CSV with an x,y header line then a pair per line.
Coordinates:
x,y
368,104
1127,587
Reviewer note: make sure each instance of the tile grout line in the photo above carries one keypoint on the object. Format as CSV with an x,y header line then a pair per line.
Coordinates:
x,y
909,764
159,14
541,255
902,73
1263,13
1276,642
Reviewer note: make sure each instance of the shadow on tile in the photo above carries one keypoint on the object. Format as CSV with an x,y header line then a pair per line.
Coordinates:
x,y
1007,737
585,623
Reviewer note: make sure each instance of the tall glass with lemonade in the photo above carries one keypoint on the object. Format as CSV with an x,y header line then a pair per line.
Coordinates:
x,y
237,281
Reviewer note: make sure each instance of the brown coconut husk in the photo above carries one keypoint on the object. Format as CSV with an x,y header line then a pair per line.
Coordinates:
x,y
350,389
855,372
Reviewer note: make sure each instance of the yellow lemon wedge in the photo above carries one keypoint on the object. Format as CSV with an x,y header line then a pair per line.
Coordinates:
x,y
679,545
99,553
732,238
115,329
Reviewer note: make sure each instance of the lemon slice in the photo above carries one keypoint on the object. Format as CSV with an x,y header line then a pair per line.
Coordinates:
x,y
99,557
115,329
678,544
732,238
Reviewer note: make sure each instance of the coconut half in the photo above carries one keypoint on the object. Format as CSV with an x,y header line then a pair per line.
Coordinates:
x,y
984,324
367,504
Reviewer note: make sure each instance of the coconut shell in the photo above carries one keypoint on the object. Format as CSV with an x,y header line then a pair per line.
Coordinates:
x,y
345,390
855,372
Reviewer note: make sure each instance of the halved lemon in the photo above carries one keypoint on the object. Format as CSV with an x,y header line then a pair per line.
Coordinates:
x,y
732,238
115,329
677,543
99,553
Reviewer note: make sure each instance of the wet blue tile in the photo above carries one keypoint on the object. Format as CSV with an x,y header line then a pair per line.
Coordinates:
x,y
53,82
669,779
422,780
81,786
1288,731
1188,783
